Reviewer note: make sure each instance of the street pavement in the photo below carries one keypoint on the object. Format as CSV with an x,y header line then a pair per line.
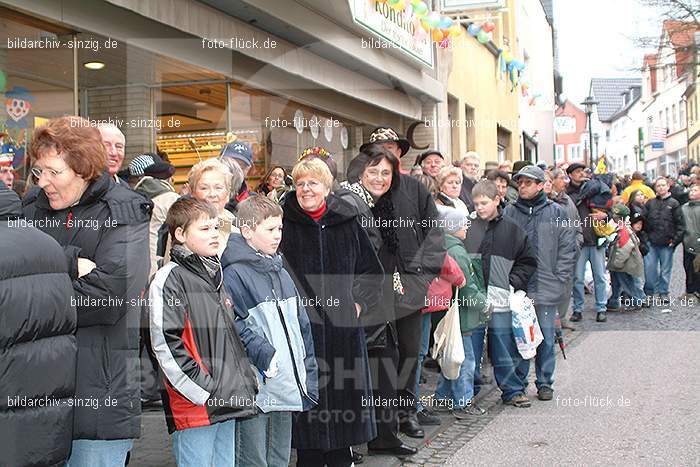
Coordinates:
x,y
625,396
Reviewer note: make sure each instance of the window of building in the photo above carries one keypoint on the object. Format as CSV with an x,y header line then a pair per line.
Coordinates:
x,y
560,153
667,118
674,116
681,114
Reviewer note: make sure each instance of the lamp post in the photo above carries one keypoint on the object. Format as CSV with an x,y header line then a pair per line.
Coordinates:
x,y
588,105
636,157
596,137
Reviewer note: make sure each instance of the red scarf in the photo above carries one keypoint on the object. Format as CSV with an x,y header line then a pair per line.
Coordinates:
x,y
318,213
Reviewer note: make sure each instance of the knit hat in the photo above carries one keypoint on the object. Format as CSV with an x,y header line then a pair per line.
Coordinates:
x,y
620,211
452,220
422,156
530,171
387,135
152,165
518,165
238,150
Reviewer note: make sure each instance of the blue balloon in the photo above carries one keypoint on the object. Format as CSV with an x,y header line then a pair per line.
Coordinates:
x,y
445,22
473,29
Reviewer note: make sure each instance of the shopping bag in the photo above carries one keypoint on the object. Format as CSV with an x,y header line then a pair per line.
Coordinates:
x,y
526,328
448,348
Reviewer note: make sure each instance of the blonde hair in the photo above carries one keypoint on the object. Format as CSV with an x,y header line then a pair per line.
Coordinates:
x,y
314,168
446,172
200,168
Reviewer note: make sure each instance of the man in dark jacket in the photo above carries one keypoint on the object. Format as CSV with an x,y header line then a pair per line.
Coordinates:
x,y
37,343
553,239
470,172
664,233
590,251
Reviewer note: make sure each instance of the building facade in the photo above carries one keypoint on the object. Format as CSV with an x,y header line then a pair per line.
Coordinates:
x,y
626,134
570,132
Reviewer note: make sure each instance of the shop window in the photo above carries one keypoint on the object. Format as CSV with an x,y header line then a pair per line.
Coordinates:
x,y
37,81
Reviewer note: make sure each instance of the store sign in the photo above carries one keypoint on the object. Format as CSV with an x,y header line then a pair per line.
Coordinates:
x,y
564,125
396,30
465,5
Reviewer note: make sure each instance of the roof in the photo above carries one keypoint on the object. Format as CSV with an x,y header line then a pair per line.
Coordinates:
x,y
636,96
608,92
680,32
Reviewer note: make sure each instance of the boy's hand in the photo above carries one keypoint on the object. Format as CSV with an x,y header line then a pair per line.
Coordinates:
x,y
464,283
85,266
358,309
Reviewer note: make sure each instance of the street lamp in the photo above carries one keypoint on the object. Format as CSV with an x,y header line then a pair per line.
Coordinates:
x,y
588,105
636,157
596,137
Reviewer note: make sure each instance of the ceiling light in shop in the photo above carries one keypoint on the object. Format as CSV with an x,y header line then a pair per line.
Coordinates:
x,y
200,104
95,65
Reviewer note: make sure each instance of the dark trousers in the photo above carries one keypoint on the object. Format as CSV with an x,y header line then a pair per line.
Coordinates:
x,y
692,278
383,365
317,458
478,338
409,331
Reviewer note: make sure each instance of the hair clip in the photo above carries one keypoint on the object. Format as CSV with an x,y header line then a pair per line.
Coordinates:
x,y
315,151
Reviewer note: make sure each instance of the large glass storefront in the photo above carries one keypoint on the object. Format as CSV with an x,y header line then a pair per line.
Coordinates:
x,y
159,102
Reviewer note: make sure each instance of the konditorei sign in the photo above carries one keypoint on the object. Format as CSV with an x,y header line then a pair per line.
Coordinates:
x,y
396,29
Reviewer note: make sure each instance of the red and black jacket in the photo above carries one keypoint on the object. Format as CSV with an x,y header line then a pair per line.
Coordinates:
x,y
207,375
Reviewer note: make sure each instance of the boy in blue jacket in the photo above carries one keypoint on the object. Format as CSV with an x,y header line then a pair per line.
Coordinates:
x,y
275,331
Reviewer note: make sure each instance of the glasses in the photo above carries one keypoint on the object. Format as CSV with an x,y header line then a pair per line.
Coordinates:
x,y
313,184
36,171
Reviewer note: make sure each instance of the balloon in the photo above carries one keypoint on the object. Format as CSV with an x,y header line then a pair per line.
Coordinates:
x,y
433,19
398,6
483,37
415,2
436,35
418,32
408,11
424,25
507,57
421,9
456,30
473,29
381,1
445,22
393,2
488,26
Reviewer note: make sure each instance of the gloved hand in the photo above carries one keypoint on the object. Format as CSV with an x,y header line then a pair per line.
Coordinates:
x,y
517,301
696,263
272,371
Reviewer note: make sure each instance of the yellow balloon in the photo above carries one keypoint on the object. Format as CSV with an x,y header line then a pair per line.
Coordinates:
x,y
455,30
399,6
507,57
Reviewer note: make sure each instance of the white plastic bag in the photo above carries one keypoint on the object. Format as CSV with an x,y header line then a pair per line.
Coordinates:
x,y
448,348
526,328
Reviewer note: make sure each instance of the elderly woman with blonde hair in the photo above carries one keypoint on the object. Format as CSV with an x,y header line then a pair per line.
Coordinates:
x,y
449,182
337,272
210,181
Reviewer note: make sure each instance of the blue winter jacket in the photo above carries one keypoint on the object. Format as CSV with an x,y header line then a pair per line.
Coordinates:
x,y
552,236
271,320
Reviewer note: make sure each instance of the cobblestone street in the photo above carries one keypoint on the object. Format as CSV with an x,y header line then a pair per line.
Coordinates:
x,y
646,359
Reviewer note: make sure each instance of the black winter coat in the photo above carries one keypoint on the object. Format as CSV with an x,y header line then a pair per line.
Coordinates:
x,y
334,266
664,221
466,192
108,226
37,343
584,211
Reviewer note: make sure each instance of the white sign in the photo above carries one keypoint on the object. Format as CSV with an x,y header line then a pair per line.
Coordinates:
x,y
461,5
564,125
395,28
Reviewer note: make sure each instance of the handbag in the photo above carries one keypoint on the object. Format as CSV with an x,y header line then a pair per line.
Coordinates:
x,y
448,349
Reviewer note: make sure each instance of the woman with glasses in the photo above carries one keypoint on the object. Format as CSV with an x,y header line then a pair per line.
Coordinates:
x,y
338,274
210,181
103,229
273,184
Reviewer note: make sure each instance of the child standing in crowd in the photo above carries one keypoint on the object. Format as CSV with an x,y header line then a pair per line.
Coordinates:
x,y
281,346
209,381
508,261
691,242
625,263
472,314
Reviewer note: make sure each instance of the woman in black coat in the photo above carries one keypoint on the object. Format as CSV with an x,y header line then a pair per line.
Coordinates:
x,y
337,272
37,343
103,229
412,254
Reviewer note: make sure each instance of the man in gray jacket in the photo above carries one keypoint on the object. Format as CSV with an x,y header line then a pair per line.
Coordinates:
x,y
553,237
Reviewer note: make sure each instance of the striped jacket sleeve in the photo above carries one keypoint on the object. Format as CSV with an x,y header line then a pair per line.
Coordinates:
x,y
172,341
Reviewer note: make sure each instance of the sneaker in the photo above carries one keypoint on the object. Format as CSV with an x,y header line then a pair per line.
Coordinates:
x,y
427,417
519,400
576,316
601,317
545,393
613,309
470,410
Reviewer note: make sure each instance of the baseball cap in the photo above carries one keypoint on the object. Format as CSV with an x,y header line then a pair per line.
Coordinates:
x,y
530,171
238,150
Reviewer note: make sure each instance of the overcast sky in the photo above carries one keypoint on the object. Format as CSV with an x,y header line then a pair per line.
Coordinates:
x,y
595,39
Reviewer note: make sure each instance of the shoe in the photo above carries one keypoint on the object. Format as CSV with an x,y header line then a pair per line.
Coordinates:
x,y
614,309
426,417
470,410
399,451
576,317
411,428
601,317
357,458
518,400
545,393
633,308
664,299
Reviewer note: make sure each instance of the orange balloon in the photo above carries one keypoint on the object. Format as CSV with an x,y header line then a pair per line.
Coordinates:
x,y
437,35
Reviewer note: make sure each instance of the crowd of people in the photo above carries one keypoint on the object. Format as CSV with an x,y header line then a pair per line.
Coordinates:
x,y
300,315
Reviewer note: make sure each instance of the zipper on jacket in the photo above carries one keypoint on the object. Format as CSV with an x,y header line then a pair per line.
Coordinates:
x,y
289,345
